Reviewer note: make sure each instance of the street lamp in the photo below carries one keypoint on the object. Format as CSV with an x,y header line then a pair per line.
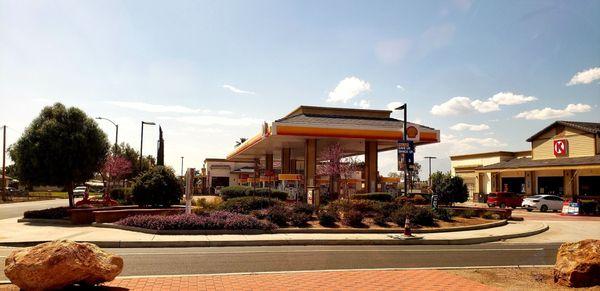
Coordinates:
x,y
142,141
181,166
403,107
430,158
116,129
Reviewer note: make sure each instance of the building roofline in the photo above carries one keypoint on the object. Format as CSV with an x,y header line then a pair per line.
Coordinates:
x,y
489,154
567,123
299,108
225,160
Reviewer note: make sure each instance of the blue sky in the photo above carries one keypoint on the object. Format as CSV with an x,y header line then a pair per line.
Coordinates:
x,y
210,72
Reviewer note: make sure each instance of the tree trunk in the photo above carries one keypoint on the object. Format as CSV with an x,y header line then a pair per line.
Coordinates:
x,y
70,191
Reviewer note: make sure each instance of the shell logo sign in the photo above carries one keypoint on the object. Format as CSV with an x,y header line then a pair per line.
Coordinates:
x,y
561,147
412,133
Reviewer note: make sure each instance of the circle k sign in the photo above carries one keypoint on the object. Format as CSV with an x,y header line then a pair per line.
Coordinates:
x,y
561,146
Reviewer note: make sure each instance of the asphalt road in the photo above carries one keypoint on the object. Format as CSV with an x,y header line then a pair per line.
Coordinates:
x,y
176,261
10,210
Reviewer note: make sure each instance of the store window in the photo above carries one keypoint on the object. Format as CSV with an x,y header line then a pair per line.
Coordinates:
x,y
514,185
550,185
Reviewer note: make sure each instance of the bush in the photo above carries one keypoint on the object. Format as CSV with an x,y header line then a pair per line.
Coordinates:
x,y
243,191
468,213
247,204
366,207
380,219
234,192
387,208
418,215
120,193
353,218
203,203
157,187
376,196
443,214
419,200
217,220
327,218
487,215
260,214
300,219
50,213
279,215
303,208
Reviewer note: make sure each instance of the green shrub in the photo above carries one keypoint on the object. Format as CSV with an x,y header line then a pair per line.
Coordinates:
x,y
50,213
157,187
203,203
120,193
279,215
305,208
260,214
443,214
399,216
468,213
327,218
387,208
375,196
419,200
243,191
367,207
234,192
487,215
340,205
353,218
380,219
300,219
245,205
423,216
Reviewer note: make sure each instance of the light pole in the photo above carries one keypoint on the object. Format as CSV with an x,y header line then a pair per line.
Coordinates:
x,y
3,163
142,142
116,129
403,107
429,179
181,166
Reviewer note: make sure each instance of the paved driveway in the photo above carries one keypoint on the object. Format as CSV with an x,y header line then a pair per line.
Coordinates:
x,y
10,210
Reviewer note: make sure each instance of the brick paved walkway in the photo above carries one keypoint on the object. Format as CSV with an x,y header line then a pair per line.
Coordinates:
x,y
331,280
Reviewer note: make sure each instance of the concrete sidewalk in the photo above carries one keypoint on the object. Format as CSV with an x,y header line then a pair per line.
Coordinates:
x,y
23,234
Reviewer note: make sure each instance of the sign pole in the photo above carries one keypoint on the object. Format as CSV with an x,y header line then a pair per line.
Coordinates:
x,y
189,189
405,161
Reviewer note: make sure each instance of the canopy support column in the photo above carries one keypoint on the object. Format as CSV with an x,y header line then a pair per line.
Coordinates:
x,y
285,161
310,168
371,165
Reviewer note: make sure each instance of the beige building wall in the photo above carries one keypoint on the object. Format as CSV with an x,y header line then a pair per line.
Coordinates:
x,y
580,144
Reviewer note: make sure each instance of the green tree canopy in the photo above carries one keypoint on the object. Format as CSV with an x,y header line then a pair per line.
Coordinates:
x,y
449,189
62,146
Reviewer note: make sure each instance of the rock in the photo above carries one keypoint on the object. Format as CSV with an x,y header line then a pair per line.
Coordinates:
x,y
58,264
578,264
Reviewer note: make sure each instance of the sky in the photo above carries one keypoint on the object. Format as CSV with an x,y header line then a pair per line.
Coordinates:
x,y
487,74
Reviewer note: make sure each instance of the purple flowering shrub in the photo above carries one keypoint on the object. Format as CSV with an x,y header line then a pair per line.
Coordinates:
x,y
217,220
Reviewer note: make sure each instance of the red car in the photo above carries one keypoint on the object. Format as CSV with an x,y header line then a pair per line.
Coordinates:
x,y
504,199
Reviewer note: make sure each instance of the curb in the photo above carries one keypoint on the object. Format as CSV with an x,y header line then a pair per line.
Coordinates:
x,y
300,230
45,221
295,242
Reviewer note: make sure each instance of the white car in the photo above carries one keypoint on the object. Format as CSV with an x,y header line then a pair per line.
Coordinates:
x,y
79,191
543,203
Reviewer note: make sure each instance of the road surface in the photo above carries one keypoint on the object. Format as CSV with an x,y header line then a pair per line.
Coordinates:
x,y
174,261
10,210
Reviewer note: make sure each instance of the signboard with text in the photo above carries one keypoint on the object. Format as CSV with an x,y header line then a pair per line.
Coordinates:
x,y
406,155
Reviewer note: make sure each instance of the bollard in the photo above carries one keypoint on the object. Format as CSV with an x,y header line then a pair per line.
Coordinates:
x,y
407,230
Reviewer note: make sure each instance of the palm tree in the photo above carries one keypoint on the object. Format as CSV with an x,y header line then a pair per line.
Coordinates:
x,y
240,141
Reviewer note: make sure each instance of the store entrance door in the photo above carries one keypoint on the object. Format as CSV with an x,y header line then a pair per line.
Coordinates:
x,y
551,185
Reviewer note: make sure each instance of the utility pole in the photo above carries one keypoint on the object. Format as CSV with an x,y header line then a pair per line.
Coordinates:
x,y
429,179
181,166
142,143
4,163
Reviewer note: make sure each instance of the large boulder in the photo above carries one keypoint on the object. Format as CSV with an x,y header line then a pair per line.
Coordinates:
x,y
58,264
578,264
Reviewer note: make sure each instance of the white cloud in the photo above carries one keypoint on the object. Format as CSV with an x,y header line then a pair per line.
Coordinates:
x,y
400,87
237,90
156,108
454,106
471,127
208,120
509,98
585,77
364,104
463,105
347,89
393,50
550,113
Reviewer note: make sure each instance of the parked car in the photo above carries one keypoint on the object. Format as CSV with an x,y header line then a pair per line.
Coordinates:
x,y
543,203
79,191
504,199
